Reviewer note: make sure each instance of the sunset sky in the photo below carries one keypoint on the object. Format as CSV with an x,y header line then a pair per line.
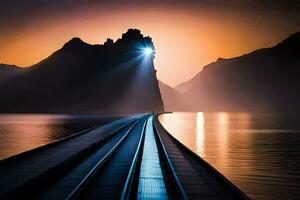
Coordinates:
x,y
187,34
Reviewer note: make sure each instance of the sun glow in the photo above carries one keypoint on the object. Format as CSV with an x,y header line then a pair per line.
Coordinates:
x,y
147,51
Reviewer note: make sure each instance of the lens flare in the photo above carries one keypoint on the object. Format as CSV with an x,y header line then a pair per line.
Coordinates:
x,y
147,51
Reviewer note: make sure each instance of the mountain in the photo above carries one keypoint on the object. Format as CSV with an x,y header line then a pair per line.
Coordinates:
x,y
173,100
116,77
263,80
9,71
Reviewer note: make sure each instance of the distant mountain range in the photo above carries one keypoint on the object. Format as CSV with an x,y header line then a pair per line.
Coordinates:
x,y
117,78
112,78
264,80
8,71
173,100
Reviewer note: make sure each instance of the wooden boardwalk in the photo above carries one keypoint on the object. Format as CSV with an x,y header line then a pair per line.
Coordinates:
x,y
131,158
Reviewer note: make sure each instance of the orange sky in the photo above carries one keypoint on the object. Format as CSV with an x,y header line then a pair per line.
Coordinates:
x,y
185,40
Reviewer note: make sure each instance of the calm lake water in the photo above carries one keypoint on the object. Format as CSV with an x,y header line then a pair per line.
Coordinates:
x,y
260,153
19,133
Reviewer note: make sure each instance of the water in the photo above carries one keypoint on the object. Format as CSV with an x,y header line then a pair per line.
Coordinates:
x,y
19,133
260,153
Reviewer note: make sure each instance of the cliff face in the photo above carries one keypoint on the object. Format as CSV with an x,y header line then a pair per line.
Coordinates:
x,y
264,80
112,78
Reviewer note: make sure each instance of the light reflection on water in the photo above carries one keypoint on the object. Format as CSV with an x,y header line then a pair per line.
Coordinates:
x,y
260,153
19,133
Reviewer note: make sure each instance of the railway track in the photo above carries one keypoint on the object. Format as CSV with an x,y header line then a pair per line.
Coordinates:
x,y
139,161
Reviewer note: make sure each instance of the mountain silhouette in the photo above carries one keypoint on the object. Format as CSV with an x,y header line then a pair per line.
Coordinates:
x,y
173,100
9,71
264,80
115,77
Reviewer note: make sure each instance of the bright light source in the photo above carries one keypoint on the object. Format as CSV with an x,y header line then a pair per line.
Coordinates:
x,y
147,51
